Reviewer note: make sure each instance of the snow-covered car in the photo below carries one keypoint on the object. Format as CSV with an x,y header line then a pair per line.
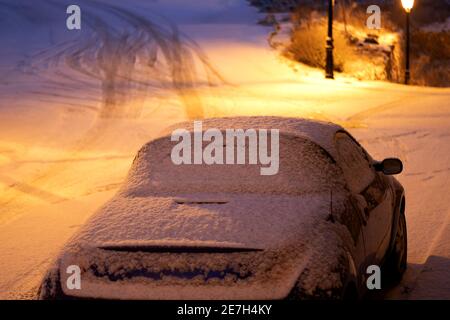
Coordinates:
x,y
211,231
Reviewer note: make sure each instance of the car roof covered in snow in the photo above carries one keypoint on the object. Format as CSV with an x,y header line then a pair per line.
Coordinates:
x,y
320,132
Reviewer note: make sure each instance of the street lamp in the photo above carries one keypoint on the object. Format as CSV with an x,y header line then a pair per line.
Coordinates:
x,y
408,5
329,60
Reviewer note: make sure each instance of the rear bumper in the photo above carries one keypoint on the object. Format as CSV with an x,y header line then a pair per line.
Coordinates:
x,y
137,276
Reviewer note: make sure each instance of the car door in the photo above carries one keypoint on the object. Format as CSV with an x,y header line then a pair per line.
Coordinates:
x,y
370,191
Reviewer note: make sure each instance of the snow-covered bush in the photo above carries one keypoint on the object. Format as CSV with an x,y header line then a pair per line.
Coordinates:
x,y
430,58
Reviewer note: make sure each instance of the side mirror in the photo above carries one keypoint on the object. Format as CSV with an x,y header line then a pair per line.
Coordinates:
x,y
389,166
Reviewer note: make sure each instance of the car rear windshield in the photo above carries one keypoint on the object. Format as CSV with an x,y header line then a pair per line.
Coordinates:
x,y
304,167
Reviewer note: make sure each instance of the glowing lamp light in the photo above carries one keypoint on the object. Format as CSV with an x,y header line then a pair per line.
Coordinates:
x,y
408,5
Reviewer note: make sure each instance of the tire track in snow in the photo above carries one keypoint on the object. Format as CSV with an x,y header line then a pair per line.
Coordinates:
x,y
130,62
363,115
135,59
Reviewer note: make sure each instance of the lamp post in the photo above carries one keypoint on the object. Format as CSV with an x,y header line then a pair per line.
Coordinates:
x,y
407,5
329,67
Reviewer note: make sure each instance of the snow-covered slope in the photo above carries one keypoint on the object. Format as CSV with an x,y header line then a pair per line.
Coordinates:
x,y
75,106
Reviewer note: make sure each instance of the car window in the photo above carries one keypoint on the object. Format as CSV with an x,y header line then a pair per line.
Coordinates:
x,y
354,163
374,194
304,167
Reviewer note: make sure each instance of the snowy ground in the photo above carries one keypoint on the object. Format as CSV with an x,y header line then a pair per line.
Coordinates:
x,y
76,105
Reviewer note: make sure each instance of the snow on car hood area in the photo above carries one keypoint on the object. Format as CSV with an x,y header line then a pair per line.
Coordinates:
x,y
283,235
247,220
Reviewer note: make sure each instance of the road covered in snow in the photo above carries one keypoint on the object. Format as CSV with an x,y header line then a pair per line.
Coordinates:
x,y
75,107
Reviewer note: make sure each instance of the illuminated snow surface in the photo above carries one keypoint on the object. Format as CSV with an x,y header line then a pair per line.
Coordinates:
x,y
76,106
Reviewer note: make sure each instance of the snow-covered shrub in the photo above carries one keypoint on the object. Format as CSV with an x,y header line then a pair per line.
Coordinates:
x,y
308,45
430,58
